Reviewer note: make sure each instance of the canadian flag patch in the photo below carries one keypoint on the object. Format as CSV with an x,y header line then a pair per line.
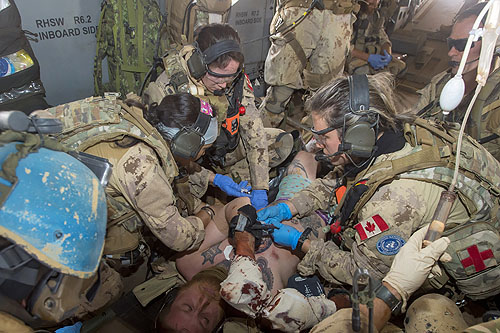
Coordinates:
x,y
371,227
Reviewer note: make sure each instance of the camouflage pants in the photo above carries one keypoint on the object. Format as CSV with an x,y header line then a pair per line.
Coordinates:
x,y
359,66
288,310
237,165
324,38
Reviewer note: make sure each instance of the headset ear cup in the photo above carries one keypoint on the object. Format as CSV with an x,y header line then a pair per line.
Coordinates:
x,y
196,64
359,139
186,143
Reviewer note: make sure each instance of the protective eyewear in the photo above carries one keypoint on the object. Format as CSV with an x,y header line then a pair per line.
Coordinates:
x,y
319,136
220,78
458,44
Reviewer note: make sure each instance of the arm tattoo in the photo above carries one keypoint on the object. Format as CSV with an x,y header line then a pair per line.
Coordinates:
x,y
210,253
296,167
267,274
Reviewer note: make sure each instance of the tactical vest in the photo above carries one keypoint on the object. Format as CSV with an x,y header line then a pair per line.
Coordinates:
x,y
227,108
486,101
475,245
365,33
96,119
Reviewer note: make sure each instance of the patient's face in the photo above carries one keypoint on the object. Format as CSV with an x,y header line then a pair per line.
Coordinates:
x,y
195,309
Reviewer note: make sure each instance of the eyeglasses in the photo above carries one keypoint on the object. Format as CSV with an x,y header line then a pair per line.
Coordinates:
x,y
319,136
458,44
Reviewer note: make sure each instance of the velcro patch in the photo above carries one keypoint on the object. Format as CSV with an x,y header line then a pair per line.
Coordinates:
x,y
371,227
477,258
389,245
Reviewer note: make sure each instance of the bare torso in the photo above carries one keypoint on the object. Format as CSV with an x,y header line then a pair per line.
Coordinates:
x,y
276,263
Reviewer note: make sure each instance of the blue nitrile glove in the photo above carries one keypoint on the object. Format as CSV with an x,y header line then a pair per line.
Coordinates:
x,y
228,185
386,58
275,214
70,329
376,61
286,236
259,199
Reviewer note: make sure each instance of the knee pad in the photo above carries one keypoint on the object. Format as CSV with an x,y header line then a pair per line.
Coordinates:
x,y
277,98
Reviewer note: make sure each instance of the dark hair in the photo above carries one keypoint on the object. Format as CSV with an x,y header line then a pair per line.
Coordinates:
x,y
177,111
210,34
474,10
331,102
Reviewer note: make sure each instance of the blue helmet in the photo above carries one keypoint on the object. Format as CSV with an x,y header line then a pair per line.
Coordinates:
x,y
56,212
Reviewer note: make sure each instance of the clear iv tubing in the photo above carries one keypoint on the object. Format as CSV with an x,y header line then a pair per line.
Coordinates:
x,y
491,31
487,48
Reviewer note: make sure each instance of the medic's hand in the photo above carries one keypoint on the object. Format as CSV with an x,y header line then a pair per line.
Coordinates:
x,y
259,199
286,236
70,329
386,59
227,184
377,61
275,214
412,264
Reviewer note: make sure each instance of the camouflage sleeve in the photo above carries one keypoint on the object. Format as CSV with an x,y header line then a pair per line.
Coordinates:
x,y
386,222
147,188
289,310
492,326
391,216
254,141
318,195
198,182
383,37
424,97
333,264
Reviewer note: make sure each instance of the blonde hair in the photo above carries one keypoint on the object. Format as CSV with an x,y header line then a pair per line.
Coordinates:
x,y
331,103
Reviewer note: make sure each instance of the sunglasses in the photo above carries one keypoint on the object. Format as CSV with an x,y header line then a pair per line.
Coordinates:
x,y
458,44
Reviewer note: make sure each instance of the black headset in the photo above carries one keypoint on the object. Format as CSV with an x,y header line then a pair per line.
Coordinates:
x,y
359,138
188,142
199,60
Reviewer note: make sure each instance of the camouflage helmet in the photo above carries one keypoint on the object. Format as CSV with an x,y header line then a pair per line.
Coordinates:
x,y
434,313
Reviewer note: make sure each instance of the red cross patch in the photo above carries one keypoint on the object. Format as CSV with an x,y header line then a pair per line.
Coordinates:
x,y
474,260
371,227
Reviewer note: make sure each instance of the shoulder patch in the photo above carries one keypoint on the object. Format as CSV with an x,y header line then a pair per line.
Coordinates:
x,y
389,245
371,227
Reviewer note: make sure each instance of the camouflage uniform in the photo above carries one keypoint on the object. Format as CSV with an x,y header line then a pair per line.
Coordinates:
x,y
486,108
140,188
384,217
307,56
369,36
488,327
176,78
288,310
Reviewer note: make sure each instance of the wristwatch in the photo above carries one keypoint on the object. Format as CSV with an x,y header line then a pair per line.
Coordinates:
x,y
305,235
392,301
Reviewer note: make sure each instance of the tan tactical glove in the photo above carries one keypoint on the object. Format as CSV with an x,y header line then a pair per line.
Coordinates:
x,y
412,264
